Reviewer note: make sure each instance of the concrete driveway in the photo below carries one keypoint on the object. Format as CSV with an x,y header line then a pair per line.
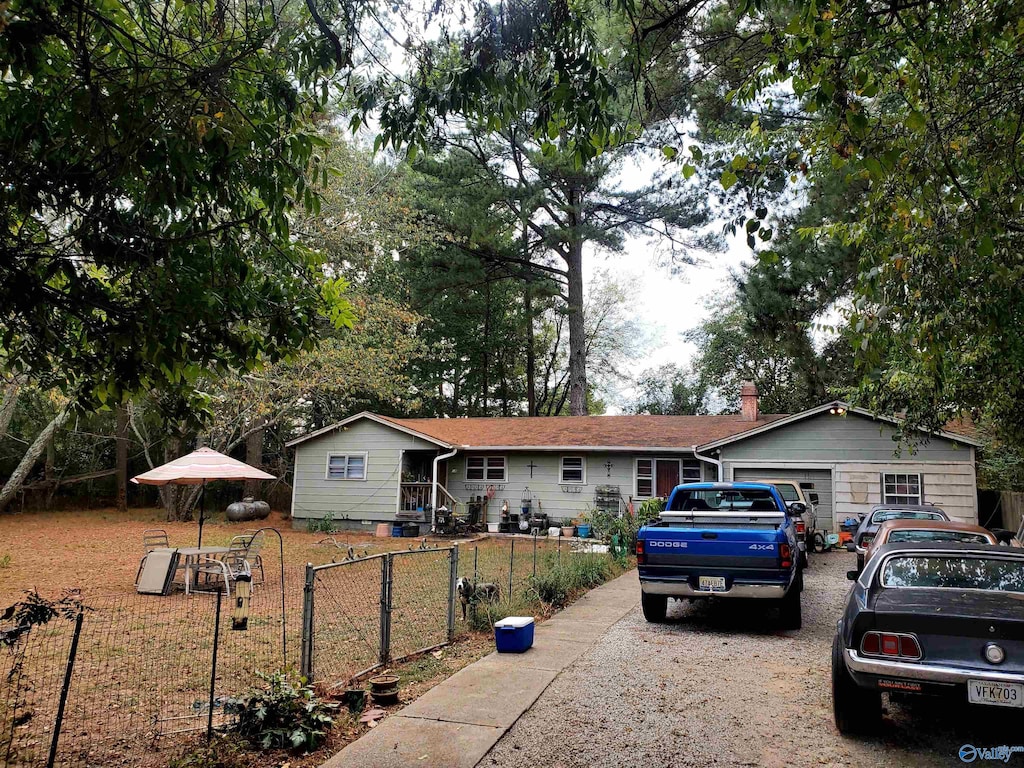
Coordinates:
x,y
718,686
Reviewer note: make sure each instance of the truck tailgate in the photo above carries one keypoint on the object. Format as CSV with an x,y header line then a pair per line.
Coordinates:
x,y
676,547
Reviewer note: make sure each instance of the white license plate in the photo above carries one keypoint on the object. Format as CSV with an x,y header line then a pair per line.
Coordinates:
x,y
996,694
711,583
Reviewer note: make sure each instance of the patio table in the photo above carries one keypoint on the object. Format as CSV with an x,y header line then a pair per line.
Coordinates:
x,y
190,557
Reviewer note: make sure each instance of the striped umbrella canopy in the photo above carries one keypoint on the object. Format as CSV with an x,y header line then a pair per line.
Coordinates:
x,y
198,467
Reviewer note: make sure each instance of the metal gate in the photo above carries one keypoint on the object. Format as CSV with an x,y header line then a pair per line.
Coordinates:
x,y
367,612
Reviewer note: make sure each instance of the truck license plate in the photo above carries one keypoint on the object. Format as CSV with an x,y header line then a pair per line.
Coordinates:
x,y
996,694
711,583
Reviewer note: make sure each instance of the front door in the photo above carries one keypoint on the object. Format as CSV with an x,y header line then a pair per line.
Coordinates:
x,y
667,477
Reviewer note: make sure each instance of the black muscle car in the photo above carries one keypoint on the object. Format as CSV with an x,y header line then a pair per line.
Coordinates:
x,y
930,618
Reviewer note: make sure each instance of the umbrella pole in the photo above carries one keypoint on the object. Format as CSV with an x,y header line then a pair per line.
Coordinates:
x,y
202,510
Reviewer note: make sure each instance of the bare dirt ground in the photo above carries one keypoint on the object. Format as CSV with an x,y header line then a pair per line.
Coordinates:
x,y
720,686
98,551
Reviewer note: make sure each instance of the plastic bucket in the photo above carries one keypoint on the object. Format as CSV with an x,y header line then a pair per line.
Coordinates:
x,y
396,530
583,531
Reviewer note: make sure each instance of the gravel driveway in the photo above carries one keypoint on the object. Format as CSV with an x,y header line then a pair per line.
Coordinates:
x,y
719,686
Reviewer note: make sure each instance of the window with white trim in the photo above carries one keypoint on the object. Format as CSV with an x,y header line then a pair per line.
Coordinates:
x,y
487,468
573,470
644,478
901,488
346,466
691,471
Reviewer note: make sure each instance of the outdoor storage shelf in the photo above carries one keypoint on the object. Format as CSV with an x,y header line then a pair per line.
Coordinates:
x,y
514,634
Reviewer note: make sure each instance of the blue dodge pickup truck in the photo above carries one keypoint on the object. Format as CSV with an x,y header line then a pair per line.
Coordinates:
x,y
722,540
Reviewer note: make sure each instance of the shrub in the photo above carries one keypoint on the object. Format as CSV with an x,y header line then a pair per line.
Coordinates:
x,y
577,572
285,714
322,525
609,524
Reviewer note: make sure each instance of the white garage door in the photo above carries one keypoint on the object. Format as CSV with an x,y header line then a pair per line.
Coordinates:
x,y
822,479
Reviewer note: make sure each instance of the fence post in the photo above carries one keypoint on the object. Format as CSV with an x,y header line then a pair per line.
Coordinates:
x,y
213,666
511,560
306,662
535,554
65,688
385,608
476,576
453,561
559,550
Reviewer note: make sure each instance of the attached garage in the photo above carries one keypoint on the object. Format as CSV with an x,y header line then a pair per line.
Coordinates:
x,y
821,479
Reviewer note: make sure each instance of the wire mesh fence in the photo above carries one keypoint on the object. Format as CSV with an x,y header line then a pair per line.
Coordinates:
x,y
137,674
122,679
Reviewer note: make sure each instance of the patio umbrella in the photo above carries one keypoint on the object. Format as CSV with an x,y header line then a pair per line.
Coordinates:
x,y
198,467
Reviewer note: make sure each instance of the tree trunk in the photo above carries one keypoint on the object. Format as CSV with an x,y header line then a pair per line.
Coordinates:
x,y
531,359
121,434
171,495
253,457
10,400
31,456
487,348
577,329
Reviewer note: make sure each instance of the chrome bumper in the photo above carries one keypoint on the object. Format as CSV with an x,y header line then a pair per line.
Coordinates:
x,y
931,673
683,589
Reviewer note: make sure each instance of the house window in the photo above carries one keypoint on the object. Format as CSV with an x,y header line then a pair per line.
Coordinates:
x,y
573,470
487,468
691,471
644,478
346,466
899,488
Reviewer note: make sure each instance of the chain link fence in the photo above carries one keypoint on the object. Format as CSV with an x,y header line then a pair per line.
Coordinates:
x,y
364,613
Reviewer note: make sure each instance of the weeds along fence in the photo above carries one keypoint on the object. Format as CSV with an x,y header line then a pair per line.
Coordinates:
x,y
129,680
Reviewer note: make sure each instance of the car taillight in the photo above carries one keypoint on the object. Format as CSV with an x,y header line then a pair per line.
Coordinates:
x,y
801,527
890,644
866,539
785,556
640,557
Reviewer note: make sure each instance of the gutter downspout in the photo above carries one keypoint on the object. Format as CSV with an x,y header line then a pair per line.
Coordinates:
x,y
433,488
709,460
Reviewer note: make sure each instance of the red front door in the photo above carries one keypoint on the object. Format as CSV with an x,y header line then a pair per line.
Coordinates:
x,y
668,477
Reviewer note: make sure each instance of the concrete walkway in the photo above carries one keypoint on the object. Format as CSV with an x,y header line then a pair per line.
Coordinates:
x,y
457,722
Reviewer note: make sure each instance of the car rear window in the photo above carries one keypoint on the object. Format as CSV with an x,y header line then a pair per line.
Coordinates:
x,y
904,514
947,572
787,492
731,499
923,535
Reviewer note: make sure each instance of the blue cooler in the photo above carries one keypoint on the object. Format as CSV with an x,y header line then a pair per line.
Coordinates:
x,y
514,634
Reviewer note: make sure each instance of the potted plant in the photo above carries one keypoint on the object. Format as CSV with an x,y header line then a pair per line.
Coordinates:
x,y
568,529
583,526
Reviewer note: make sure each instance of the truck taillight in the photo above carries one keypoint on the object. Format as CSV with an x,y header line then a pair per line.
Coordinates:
x,y
890,644
785,556
640,558
801,527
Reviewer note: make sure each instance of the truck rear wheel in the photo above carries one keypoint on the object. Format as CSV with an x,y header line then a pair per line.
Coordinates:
x,y
790,613
855,709
654,606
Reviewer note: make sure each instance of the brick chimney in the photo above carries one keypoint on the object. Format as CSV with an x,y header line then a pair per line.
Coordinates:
x,y
748,401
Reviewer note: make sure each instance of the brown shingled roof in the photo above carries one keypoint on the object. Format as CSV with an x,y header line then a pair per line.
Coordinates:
x,y
583,431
